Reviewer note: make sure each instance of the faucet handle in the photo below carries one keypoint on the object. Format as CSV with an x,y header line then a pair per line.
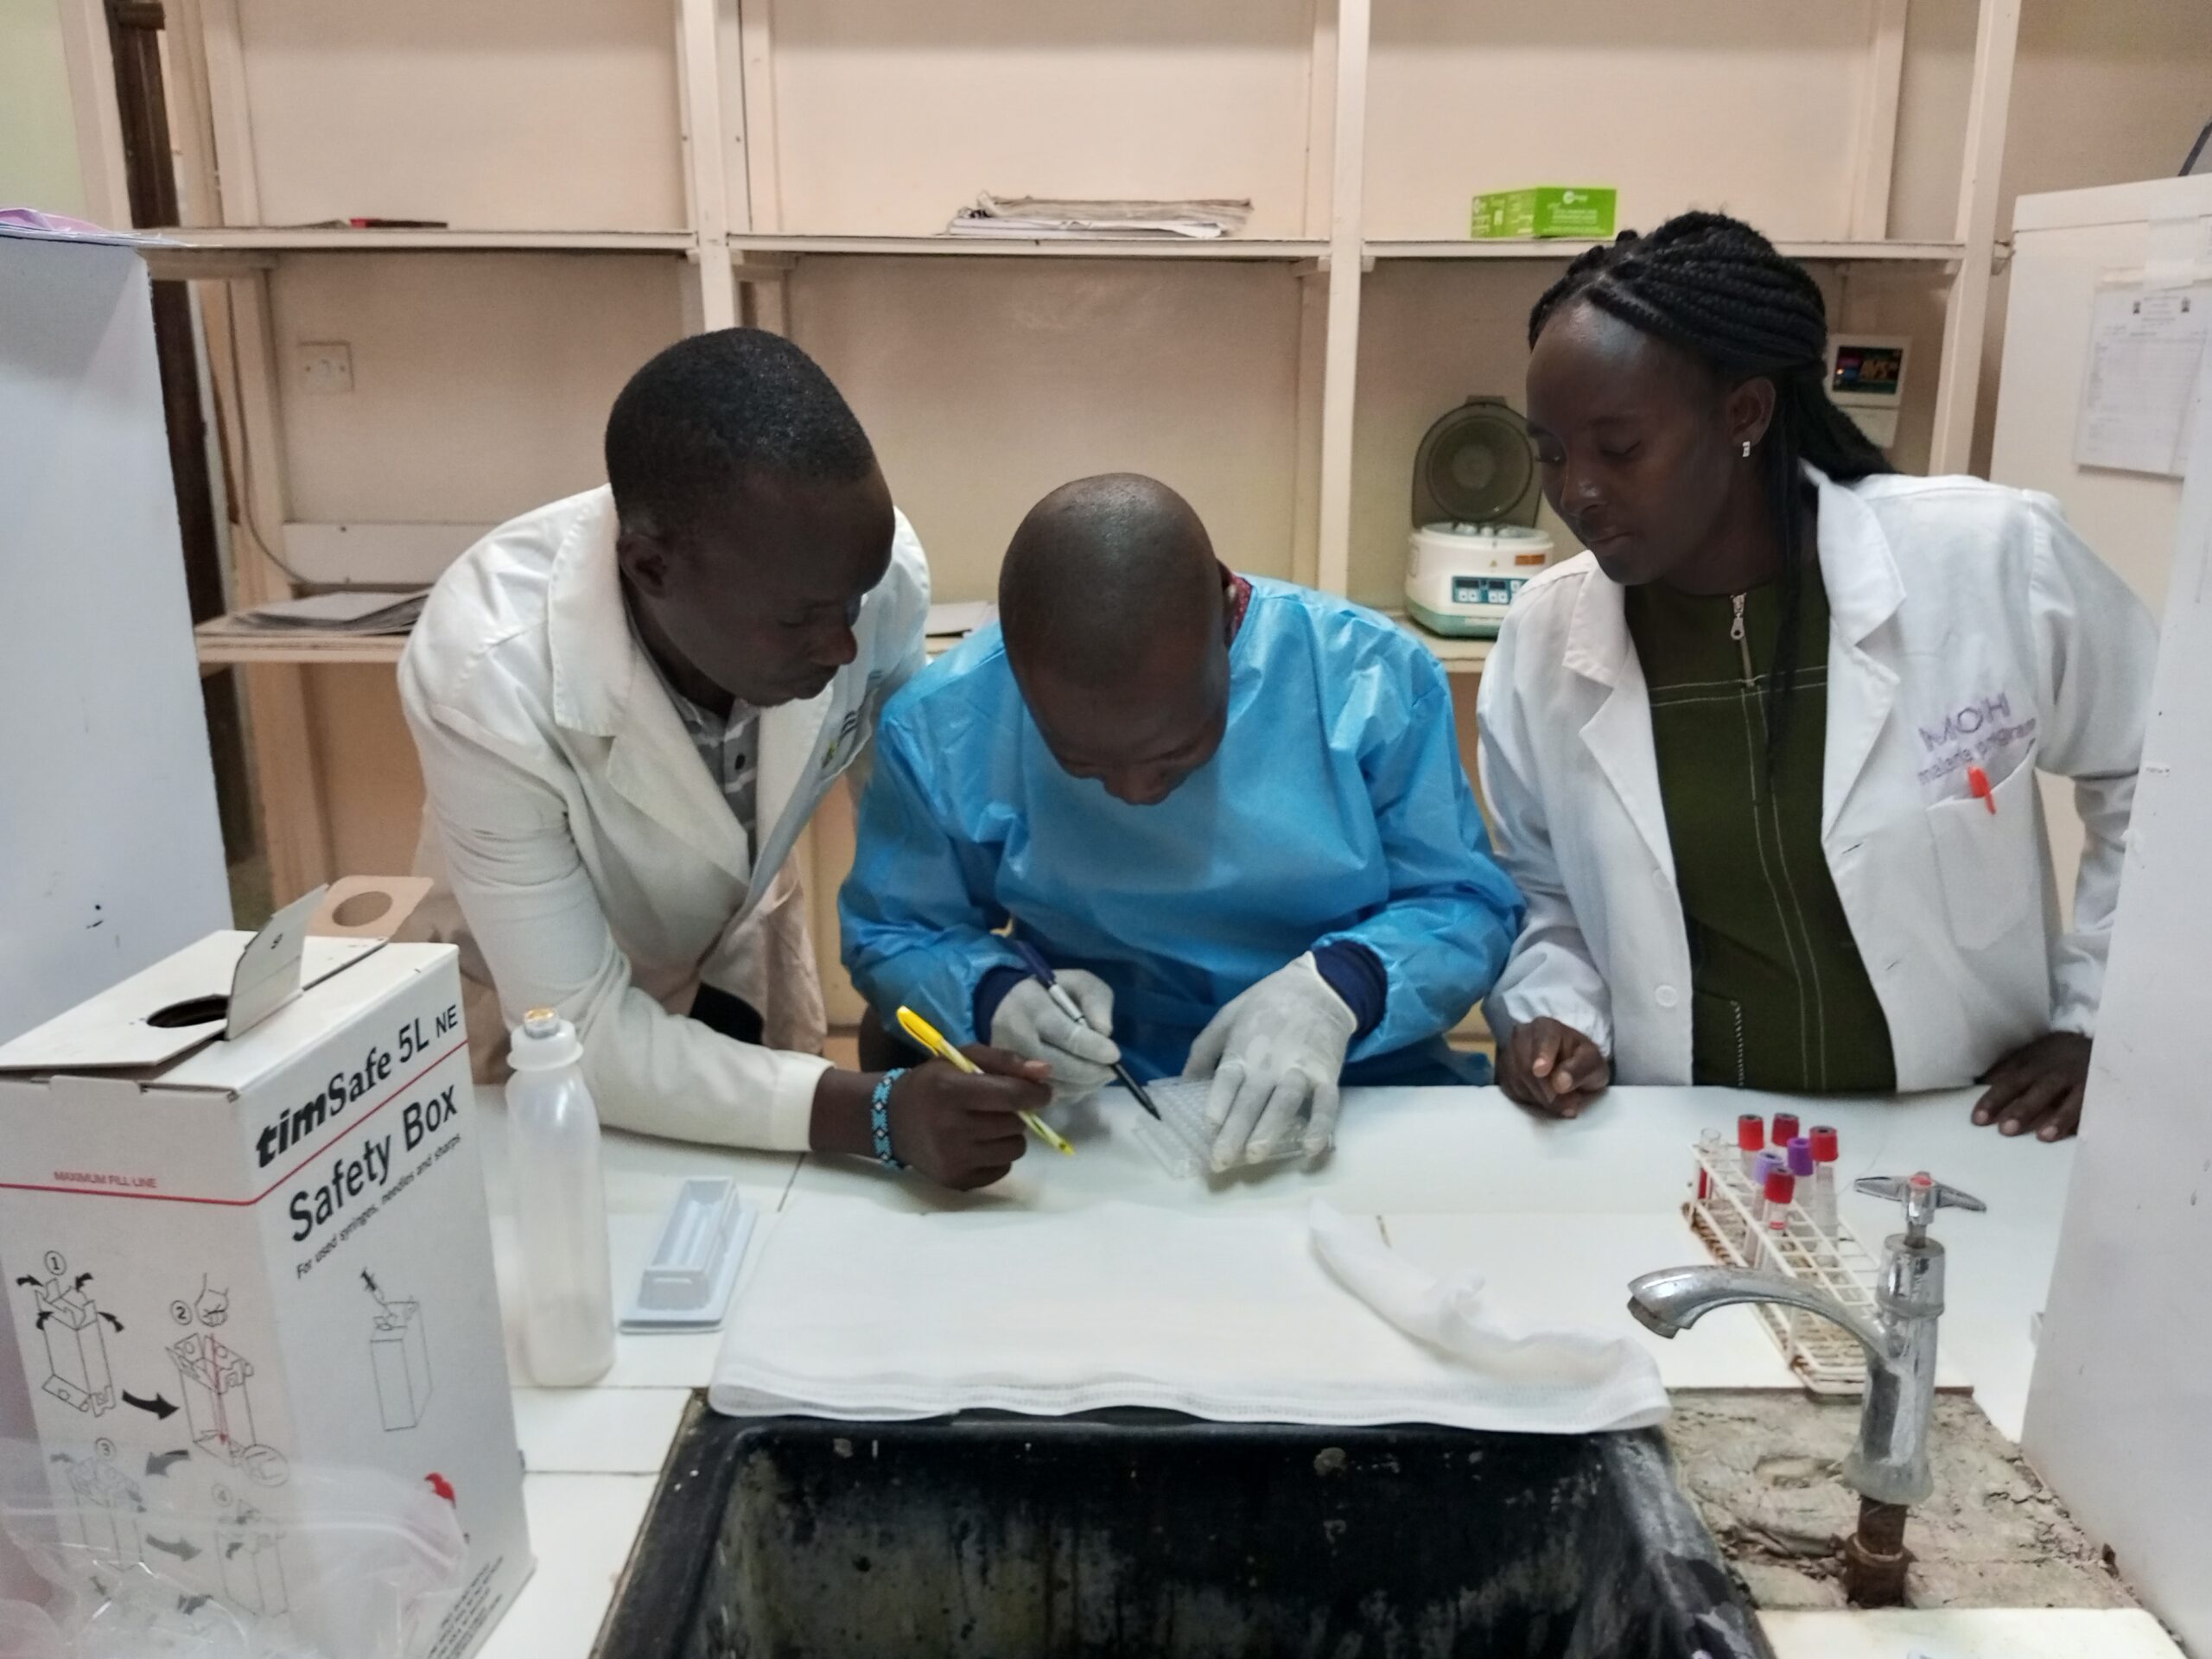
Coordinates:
x,y
1922,1195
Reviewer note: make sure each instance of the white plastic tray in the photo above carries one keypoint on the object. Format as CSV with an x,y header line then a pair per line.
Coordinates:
x,y
687,1281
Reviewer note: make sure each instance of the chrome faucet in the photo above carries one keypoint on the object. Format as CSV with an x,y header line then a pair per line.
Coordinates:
x,y
1889,1463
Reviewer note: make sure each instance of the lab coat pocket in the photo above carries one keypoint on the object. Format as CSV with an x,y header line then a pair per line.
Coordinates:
x,y
1988,861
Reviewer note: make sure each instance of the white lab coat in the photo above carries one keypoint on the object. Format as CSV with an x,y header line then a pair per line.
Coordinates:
x,y
1968,624
588,862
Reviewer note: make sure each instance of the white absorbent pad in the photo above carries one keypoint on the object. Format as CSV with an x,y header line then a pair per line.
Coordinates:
x,y
867,1314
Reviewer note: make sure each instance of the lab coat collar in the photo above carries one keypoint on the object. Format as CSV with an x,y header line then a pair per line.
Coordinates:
x,y
594,655
791,744
1858,566
1597,634
1618,735
1865,588
604,686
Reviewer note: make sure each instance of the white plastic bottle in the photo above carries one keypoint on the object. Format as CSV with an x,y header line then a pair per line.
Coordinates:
x,y
560,1206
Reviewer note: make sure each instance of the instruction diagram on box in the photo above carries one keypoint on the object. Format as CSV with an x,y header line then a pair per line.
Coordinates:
x,y
250,1548
219,1404
74,1332
110,1507
399,1355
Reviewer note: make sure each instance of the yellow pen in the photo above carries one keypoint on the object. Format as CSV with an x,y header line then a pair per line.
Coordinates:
x,y
932,1039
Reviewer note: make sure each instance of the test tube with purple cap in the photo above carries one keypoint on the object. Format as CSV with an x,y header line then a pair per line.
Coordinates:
x,y
1803,1168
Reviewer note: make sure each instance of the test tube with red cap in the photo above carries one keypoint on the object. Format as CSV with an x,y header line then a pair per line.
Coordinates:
x,y
1750,1141
1774,1217
1708,1157
1786,1129
1820,1199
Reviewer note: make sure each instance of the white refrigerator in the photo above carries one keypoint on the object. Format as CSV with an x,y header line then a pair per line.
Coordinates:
x,y
2071,250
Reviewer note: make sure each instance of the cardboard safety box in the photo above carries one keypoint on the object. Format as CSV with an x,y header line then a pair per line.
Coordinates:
x,y
243,1212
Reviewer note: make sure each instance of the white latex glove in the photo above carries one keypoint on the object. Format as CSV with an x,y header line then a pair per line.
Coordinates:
x,y
1029,1023
1274,1054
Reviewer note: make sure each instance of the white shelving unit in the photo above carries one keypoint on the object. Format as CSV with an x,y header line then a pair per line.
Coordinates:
x,y
220,238
744,248
616,173
1562,250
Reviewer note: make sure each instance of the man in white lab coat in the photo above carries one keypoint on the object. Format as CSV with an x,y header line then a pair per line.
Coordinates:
x,y
628,705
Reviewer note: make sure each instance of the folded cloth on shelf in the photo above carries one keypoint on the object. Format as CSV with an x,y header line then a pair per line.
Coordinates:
x,y
862,1313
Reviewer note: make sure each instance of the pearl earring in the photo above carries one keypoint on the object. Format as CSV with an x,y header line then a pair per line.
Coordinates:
x,y
1747,448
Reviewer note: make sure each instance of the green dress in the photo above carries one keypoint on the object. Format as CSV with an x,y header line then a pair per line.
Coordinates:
x,y
1779,999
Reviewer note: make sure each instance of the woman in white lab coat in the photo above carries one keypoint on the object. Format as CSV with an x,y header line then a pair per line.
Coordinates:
x,y
1762,759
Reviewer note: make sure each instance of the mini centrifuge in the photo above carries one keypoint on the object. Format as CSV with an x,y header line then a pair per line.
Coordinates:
x,y
1475,543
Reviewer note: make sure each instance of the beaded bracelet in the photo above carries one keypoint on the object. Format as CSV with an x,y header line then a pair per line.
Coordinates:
x,y
878,1119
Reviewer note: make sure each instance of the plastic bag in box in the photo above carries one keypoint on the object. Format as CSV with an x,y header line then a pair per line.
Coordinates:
x,y
165,1558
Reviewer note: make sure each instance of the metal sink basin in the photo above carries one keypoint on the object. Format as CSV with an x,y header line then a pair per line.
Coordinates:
x,y
1135,1533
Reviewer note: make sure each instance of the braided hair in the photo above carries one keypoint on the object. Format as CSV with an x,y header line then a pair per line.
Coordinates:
x,y
1713,286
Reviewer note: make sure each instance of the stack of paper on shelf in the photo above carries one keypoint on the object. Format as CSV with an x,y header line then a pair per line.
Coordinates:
x,y
1026,216
349,612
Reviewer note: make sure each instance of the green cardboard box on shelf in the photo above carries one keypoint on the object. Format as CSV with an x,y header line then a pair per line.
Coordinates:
x,y
1569,210
244,1216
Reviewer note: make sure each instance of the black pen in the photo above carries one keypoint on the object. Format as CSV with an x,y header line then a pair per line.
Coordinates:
x,y
1043,972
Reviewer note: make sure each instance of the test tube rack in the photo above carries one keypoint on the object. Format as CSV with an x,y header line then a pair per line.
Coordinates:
x,y
1723,1211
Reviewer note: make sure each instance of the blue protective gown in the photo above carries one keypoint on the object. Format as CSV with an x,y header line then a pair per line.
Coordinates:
x,y
1336,808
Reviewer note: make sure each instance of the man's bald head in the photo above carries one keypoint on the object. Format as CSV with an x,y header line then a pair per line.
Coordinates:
x,y
1111,602
1104,569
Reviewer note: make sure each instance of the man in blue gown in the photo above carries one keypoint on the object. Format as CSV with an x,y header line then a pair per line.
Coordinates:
x,y
1229,812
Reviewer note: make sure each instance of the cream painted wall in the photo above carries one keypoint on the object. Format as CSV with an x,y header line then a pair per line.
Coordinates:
x,y
1932,118
1755,107
891,118
373,782
38,134
558,115
2104,93
983,384
481,382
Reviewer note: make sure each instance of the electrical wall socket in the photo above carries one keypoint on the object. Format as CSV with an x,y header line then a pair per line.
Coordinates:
x,y
324,365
